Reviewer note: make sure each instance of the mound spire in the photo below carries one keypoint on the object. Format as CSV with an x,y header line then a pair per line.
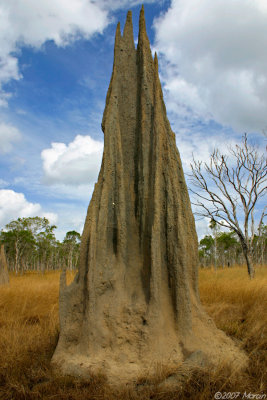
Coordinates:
x,y
134,301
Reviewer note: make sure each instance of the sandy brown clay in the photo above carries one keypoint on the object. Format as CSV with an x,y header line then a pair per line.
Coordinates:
x,y
134,302
4,277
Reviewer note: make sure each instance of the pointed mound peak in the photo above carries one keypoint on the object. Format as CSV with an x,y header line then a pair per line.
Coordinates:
x,y
128,22
156,63
128,30
142,25
118,33
142,21
144,54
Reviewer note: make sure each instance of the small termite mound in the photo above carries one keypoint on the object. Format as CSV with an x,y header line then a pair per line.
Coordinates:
x,y
4,277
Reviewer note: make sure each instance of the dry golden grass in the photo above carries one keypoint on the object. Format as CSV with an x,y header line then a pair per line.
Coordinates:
x,y
29,332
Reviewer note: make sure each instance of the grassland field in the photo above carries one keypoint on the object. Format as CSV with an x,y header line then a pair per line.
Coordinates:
x,y
29,329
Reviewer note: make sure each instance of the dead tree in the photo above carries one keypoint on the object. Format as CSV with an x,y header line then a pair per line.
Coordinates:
x,y
227,190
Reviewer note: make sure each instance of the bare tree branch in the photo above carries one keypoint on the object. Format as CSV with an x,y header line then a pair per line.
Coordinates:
x,y
223,187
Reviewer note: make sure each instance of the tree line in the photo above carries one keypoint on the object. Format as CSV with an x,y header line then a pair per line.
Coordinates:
x,y
229,190
30,245
223,249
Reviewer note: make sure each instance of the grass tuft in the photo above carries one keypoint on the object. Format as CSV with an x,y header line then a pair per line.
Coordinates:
x,y
29,333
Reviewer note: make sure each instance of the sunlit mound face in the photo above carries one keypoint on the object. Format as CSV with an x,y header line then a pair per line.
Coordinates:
x,y
134,302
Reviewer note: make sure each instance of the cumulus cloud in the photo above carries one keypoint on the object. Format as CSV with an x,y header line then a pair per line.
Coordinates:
x,y
202,147
9,134
74,164
14,205
117,4
214,60
34,22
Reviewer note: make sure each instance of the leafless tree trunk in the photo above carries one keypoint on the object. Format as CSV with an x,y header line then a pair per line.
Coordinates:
x,y
227,190
16,257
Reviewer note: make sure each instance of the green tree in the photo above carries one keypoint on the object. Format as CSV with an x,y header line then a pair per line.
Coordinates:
x,y
260,245
71,244
228,246
25,238
206,246
19,241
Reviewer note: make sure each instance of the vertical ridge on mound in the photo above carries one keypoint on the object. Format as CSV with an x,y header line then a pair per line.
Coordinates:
x,y
134,301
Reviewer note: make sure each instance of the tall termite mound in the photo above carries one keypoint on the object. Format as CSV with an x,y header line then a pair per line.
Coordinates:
x,y
134,301
4,278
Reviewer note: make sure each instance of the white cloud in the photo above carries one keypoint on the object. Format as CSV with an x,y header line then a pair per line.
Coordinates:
x,y
74,164
215,61
14,205
32,23
117,4
8,135
202,227
202,146
57,20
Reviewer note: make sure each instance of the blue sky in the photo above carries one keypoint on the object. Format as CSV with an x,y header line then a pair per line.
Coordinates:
x,y
55,65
